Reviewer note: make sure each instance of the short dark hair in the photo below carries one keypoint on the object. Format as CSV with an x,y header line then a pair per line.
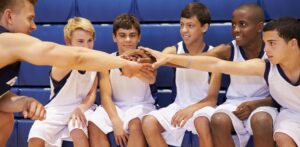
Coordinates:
x,y
197,9
126,21
4,4
287,28
256,10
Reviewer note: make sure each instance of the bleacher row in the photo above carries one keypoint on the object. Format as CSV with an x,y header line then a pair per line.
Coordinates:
x,y
159,27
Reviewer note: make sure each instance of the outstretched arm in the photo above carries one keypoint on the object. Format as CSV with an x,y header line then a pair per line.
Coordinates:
x,y
211,64
20,47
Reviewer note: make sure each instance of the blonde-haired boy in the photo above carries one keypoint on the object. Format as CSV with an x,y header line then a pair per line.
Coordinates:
x,y
73,93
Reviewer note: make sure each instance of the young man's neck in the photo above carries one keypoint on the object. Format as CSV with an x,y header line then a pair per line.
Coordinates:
x,y
291,67
195,48
2,24
253,49
292,62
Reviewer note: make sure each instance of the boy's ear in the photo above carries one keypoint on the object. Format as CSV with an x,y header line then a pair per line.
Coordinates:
x,y
139,38
67,42
294,43
205,28
114,37
7,14
260,26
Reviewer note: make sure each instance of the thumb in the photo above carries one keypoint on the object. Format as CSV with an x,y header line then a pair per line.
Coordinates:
x,y
25,113
158,63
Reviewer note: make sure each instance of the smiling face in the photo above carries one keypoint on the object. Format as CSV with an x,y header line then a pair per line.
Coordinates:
x,y
245,28
81,38
126,39
20,19
191,30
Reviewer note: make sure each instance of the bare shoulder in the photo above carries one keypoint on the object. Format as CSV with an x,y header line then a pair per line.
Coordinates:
x,y
170,50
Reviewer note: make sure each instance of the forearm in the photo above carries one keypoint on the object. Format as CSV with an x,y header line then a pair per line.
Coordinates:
x,y
195,62
12,103
262,102
215,65
98,61
47,53
91,97
203,103
111,110
87,103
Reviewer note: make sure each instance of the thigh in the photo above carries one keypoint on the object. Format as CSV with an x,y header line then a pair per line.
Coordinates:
x,y
288,122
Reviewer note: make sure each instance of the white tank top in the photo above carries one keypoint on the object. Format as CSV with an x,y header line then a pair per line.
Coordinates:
x,y
129,91
282,90
246,87
191,85
70,93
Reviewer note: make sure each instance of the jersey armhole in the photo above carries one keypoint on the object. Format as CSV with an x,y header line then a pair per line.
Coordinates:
x,y
267,71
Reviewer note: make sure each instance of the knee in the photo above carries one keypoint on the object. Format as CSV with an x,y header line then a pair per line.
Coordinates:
x,y
149,123
220,119
201,121
135,125
281,139
34,142
261,121
91,126
77,134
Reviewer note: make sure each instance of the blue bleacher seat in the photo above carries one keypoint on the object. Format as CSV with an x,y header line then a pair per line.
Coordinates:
x,y
54,10
278,8
151,10
218,33
32,75
102,10
40,94
164,98
165,77
160,10
53,33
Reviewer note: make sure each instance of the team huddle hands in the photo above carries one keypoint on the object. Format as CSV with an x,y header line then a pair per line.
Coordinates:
x,y
148,58
139,55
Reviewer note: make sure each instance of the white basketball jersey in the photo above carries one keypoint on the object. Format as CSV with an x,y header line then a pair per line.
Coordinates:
x,y
282,90
246,87
72,92
191,85
129,91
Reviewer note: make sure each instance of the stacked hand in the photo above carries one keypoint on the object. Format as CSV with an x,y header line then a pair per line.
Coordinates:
x,y
139,55
143,59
